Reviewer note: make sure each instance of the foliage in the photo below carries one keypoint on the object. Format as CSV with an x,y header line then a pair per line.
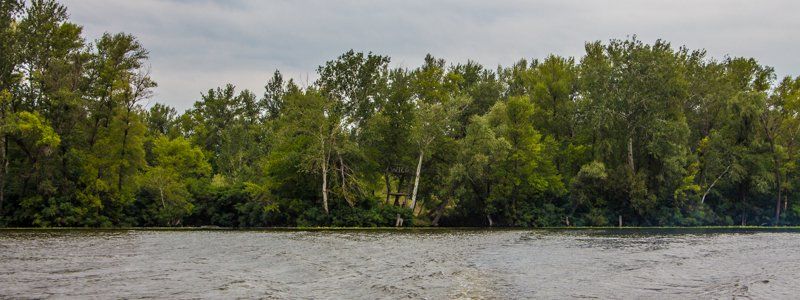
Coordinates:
x,y
644,134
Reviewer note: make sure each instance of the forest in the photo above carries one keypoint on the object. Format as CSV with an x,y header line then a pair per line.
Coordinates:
x,y
631,134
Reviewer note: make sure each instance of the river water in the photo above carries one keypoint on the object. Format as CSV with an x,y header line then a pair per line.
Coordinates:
x,y
432,264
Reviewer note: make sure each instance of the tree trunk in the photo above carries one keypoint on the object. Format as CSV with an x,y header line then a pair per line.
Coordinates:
x,y
123,152
416,182
778,199
161,192
514,215
785,203
417,211
630,155
440,212
344,185
703,200
388,186
3,172
399,190
325,185
744,209
93,135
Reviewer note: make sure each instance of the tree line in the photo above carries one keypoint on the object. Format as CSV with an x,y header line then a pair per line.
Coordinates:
x,y
645,134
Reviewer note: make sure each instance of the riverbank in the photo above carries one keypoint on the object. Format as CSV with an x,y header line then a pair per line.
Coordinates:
x,y
213,228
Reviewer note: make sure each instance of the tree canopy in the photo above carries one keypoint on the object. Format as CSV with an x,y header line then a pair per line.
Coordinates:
x,y
630,132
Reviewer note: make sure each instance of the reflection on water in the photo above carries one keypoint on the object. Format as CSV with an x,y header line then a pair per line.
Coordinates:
x,y
432,264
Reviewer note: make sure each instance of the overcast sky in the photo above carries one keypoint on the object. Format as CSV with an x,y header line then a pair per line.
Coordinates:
x,y
197,45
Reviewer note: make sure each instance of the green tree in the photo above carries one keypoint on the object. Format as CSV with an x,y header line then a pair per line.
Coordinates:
x,y
635,94
177,169
311,130
228,127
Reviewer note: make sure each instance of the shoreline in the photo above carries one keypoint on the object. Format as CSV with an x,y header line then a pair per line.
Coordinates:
x,y
428,229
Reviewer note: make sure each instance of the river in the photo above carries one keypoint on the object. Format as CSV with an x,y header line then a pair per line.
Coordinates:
x,y
386,264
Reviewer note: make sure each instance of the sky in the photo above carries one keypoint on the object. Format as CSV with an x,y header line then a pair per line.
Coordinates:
x,y
198,45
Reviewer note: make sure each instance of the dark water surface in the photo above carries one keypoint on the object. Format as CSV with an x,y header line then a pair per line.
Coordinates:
x,y
433,264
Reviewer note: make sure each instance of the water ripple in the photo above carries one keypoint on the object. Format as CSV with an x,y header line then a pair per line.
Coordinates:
x,y
367,264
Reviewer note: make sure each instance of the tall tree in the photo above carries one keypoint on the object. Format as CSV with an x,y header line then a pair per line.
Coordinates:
x,y
311,128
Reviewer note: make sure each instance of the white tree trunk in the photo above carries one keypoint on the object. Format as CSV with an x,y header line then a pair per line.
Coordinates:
x,y
416,182
325,158
161,192
325,185
344,184
703,200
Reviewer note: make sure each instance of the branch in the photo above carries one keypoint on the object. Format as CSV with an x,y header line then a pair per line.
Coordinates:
x,y
703,200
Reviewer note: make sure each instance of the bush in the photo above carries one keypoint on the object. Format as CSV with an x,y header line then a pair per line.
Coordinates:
x,y
370,213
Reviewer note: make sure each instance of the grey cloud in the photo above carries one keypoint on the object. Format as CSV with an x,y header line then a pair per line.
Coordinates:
x,y
197,45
